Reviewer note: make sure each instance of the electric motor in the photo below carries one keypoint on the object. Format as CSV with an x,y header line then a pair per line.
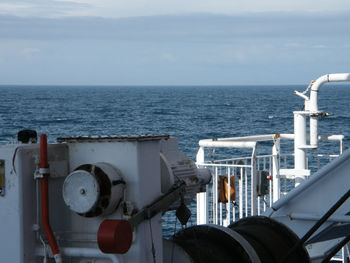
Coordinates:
x,y
94,189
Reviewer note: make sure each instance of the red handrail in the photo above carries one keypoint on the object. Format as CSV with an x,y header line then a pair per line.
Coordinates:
x,y
44,165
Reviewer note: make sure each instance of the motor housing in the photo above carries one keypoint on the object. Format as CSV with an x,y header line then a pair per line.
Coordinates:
x,y
94,189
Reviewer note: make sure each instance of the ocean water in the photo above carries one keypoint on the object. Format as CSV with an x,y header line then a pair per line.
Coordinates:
x,y
189,113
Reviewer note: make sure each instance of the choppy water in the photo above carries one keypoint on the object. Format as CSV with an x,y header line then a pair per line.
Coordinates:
x,y
190,113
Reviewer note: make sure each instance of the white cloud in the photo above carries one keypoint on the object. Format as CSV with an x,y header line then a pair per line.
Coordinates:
x,y
319,46
128,8
169,57
40,8
29,52
294,45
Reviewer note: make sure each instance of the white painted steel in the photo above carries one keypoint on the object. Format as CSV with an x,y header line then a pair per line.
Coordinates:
x,y
313,103
81,191
226,144
299,140
313,132
313,180
275,171
294,173
339,77
139,163
228,205
315,217
200,156
314,197
254,185
278,168
241,194
202,209
86,253
243,189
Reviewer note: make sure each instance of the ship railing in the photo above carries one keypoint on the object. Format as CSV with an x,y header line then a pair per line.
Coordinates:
x,y
247,186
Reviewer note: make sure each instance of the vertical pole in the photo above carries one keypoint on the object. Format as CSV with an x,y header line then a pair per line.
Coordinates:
x,y
202,198
275,170
246,189
254,181
241,193
299,143
270,183
215,197
313,132
228,205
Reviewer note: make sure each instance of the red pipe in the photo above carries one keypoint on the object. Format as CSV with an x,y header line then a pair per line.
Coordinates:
x,y
45,196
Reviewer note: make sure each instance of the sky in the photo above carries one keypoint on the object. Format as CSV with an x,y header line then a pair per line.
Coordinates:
x,y
162,42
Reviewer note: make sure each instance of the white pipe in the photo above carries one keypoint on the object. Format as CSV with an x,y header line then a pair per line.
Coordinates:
x,y
254,184
313,132
340,77
299,142
287,136
200,156
80,252
256,138
89,253
313,106
331,137
202,204
241,142
253,138
275,170
226,144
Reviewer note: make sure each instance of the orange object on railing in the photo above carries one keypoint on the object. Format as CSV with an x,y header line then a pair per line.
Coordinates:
x,y
225,189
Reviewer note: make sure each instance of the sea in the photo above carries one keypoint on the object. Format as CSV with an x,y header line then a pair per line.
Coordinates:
x,y
190,113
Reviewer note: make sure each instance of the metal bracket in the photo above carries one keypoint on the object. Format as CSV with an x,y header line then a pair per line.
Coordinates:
x,y
158,206
38,174
321,114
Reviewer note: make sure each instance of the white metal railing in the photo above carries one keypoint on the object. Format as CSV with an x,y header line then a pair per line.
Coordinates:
x,y
258,180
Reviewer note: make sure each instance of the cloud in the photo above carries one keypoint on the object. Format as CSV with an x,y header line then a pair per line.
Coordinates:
x,y
319,46
40,8
169,57
173,49
294,45
135,8
186,28
29,53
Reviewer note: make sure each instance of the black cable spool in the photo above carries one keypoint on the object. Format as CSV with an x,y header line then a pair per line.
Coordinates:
x,y
271,240
211,244
251,240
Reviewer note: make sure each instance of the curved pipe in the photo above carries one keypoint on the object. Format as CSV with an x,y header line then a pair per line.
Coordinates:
x,y
313,106
44,165
339,77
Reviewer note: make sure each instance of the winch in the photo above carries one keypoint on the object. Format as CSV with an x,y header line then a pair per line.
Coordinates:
x,y
101,198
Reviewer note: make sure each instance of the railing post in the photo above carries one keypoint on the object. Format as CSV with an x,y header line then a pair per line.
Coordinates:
x,y
241,176
202,198
275,170
228,204
254,180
